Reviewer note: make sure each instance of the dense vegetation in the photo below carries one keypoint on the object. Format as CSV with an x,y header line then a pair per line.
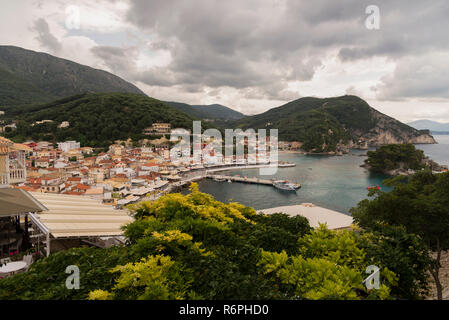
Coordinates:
x,y
32,77
395,156
322,123
95,119
211,112
194,247
420,205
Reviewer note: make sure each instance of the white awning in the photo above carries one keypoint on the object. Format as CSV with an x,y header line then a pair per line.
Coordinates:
x,y
80,216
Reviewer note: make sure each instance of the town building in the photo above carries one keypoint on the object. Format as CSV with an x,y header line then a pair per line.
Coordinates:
x,y
158,128
68,145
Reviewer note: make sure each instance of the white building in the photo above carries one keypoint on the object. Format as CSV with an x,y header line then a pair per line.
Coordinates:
x,y
68,145
64,124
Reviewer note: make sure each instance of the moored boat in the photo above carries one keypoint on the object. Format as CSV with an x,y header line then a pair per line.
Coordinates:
x,y
285,185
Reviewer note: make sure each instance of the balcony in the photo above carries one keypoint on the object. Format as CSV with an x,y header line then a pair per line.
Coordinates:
x,y
17,175
12,163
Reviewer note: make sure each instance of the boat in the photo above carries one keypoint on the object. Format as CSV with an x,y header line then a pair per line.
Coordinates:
x,y
219,179
373,188
229,180
285,185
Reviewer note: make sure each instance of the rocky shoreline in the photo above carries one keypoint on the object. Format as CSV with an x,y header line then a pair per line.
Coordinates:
x,y
429,163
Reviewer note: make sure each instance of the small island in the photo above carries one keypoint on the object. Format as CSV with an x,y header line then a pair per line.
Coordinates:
x,y
400,159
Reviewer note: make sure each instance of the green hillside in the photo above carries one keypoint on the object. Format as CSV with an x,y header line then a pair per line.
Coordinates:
x,y
95,119
324,123
211,112
32,77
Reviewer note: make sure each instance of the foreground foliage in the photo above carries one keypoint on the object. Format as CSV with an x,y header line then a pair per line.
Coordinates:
x,y
195,247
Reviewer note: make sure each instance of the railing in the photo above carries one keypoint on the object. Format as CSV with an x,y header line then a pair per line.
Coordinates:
x,y
17,175
4,181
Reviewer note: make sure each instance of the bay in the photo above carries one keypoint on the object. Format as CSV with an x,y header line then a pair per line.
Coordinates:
x,y
336,183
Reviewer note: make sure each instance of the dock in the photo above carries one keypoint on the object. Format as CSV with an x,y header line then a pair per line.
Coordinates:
x,y
241,179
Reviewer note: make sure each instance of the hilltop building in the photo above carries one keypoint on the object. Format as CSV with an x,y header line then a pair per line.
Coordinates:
x,y
64,124
158,128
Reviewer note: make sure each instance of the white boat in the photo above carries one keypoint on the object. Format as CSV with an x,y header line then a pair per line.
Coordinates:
x,y
285,185
219,179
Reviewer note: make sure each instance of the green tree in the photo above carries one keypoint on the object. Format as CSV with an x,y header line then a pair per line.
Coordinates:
x,y
153,278
395,156
420,204
45,280
329,265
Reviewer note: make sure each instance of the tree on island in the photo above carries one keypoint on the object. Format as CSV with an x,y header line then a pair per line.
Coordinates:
x,y
395,156
420,204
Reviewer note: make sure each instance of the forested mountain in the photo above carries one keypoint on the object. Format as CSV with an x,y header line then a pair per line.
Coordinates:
x,y
328,124
29,81
31,77
96,119
211,112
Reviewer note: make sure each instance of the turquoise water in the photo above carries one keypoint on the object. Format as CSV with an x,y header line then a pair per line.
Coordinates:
x,y
336,183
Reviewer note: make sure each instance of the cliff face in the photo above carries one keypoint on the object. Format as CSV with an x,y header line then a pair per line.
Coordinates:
x,y
389,131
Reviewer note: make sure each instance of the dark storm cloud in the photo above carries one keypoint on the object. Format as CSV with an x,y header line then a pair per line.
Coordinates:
x,y
45,37
259,46
418,77
118,59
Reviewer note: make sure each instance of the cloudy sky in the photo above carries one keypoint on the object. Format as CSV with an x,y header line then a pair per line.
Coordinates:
x,y
252,55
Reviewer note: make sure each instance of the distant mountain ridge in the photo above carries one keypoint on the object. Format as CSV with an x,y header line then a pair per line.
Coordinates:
x,y
32,77
330,125
430,125
211,112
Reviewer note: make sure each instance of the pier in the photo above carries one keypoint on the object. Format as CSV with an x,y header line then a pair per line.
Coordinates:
x,y
241,179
